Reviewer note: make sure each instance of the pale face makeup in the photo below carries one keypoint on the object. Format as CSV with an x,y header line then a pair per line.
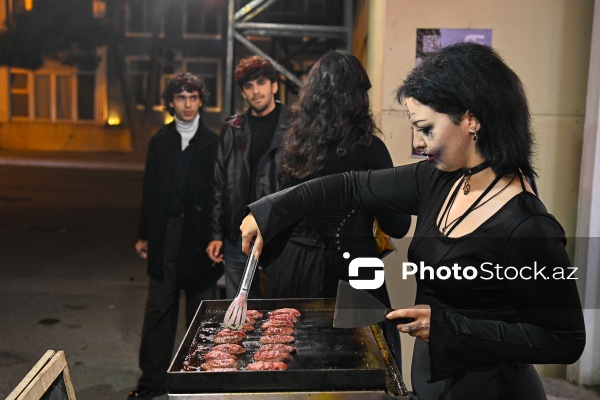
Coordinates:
x,y
446,145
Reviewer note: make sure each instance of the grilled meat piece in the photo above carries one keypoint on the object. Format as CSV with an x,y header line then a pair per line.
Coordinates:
x,y
292,311
228,339
212,364
247,328
218,355
229,332
280,331
254,314
230,348
229,336
276,324
277,339
266,365
283,317
271,355
277,347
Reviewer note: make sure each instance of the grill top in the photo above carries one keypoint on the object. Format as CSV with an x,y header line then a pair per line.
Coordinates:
x,y
326,358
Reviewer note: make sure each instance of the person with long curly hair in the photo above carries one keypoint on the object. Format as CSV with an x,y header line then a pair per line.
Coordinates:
x,y
332,131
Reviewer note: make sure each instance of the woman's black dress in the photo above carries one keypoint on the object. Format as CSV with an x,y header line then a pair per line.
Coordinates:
x,y
486,330
312,261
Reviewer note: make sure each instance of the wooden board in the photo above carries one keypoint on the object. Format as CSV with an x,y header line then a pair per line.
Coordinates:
x,y
49,379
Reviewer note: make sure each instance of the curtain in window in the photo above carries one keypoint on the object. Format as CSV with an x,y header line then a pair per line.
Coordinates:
x,y
64,97
42,96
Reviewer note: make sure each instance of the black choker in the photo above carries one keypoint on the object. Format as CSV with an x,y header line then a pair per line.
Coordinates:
x,y
467,172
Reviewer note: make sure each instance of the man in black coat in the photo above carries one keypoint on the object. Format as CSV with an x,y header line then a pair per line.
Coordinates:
x,y
173,229
247,165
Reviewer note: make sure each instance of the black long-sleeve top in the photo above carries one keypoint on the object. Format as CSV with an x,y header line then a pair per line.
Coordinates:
x,y
475,323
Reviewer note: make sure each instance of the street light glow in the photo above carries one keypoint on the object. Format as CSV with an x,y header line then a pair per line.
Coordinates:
x,y
114,120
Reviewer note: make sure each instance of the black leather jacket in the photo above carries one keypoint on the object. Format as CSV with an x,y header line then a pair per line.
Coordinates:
x,y
231,184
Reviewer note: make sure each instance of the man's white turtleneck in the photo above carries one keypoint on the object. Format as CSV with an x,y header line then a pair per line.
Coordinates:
x,y
187,130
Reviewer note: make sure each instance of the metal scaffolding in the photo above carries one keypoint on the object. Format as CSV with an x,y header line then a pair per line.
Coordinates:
x,y
239,28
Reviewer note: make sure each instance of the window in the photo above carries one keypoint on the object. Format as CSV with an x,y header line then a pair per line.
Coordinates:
x,y
20,95
42,97
52,96
201,20
138,21
64,97
209,70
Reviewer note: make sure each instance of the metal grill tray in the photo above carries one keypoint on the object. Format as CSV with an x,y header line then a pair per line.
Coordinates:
x,y
326,358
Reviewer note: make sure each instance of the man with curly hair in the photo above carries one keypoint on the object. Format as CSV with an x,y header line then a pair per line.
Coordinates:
x,y
173,229
247,165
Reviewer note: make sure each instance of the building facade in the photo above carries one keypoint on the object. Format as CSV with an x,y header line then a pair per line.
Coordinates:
x,y
58,107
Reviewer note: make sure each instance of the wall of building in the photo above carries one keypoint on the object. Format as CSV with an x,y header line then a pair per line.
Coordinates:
x,y
42,136
546,42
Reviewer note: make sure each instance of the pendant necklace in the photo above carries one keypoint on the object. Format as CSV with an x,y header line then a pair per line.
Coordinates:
x,y
467,172
449,226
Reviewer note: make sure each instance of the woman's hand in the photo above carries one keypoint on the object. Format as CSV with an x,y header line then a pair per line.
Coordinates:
x,y
251,233
419,328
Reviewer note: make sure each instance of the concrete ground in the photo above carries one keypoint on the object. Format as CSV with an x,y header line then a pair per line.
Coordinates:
x,y
90,309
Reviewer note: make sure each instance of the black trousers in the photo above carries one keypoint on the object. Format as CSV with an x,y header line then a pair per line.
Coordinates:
x,y
162,310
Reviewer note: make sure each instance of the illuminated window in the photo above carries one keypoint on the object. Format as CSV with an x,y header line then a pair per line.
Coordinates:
x,y
52,95
20,94
42,96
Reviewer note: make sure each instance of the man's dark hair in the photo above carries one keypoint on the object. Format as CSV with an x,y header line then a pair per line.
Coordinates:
x,y
254,67
183,82
473,77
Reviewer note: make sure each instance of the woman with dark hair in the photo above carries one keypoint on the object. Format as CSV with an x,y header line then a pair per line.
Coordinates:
x,y
332,131
332,116
493,296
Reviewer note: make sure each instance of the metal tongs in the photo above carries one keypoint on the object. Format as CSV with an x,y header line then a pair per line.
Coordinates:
x,y
235,317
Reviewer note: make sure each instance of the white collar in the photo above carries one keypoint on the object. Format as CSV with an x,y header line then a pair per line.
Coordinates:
x,y
187,130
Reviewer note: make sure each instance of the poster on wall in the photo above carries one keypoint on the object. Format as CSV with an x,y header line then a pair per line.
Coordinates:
x,y
431,40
